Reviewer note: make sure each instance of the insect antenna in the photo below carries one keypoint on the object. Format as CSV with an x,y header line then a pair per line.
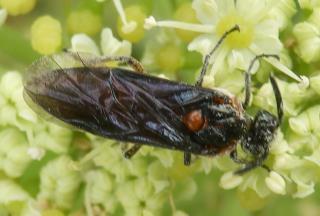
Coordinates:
x,y
278,97
208,56
248,77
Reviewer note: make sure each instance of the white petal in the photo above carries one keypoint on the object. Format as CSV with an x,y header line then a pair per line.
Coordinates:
x,y
206,10
254,10
241,59
229,180
299,125
202,44
225,7
83,43
267,27
111,46
276,183
11,192
304,178
315,157
304,190
268,45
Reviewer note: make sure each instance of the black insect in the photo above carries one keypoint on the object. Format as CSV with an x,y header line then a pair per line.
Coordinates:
x,y
130,106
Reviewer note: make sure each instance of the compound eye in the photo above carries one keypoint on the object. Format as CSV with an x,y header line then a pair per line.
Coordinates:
x,y
194,120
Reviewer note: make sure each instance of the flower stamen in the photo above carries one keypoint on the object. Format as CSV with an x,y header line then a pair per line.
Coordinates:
x,y
127,26
151,22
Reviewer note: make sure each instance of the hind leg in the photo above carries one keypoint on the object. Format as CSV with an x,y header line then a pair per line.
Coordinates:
x,y
129,153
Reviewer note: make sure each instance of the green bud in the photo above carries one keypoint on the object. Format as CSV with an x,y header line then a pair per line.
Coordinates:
x,y
138,166
59,182
157,175
18,7
99,186
11,192
304,124
17,160
8,115
46,35
127,196
10,82
164,156
315,83
308,47
84,21
143,189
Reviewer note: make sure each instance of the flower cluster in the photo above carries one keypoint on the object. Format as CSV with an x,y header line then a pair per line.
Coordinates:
x,y
293,153
46,169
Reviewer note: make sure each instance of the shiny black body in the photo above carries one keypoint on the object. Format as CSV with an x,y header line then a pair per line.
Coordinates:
x,y
128,106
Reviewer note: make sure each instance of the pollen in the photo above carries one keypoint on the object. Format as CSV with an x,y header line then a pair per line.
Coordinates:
x,y
241,39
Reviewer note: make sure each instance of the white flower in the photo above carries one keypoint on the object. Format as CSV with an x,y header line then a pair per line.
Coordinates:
x,y
110,46
259,33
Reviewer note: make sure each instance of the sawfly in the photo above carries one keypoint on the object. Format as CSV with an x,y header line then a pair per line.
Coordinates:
x,y
131,106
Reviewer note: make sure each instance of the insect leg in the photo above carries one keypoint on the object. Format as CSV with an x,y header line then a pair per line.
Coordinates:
x,y
248,77
246,168
132,151
251,166
187,158
248,165
278,97
208,56
132,62
236,159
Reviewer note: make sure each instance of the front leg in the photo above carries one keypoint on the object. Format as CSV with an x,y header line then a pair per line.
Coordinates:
x,y
252,165
236,159
248,165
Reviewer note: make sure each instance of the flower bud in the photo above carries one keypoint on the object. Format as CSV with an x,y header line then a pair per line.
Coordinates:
x,y
276,183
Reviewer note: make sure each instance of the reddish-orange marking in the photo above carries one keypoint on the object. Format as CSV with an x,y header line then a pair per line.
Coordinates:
x,y
194,120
